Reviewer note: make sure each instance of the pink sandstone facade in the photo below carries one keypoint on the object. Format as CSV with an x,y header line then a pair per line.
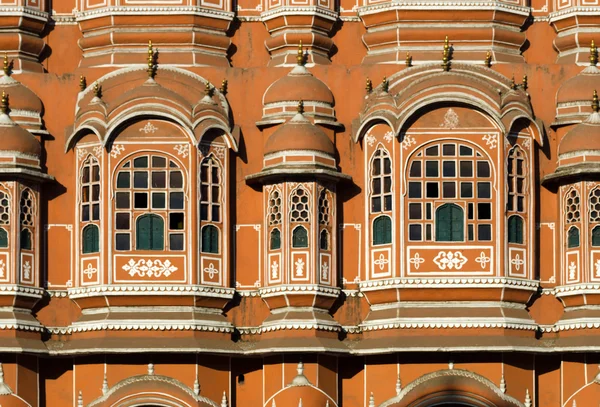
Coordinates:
x,y
296,203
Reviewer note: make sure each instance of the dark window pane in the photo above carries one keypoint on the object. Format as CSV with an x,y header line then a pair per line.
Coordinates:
x,y
484,190
3,238
415,232
465,151
275,243
96,173
216,213
483,169
387,184
520,167
387,166
414,211
85,176
466,190
95,192
85,213
159,162
573,238
122,221
510,206
159,179
432,169
122,241
176,221
387,203
159,200
210,239
515,230
449,189
427,232
176,180
376,186
520,185
484,233
203,212
415,169
376,170
414,189
509,166
215,194
91,240
466,168
140,162
176,241
140,179
596,236
471,214
471,232
449,149
96,212
449,169
432,190
123,180
26,243
484,211
127,164
299,238
176,200
520,204
428,210
324,240
376,204
172,164
122,200
140,200
85,194
432,151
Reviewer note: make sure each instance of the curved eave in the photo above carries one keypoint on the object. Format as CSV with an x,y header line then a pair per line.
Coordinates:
x,y
285,172
575,172
376,117
27,173
93,125
232,136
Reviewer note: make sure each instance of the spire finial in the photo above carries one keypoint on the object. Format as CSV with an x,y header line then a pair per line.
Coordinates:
x,y
97,90
488,59
224,85
513,85
446,55
82,83
502,384
4,103
6,65
300,110
151,65
150,369
398,385
593,54
80,399
300,367
408,60
369,86
105,385
524,83
224,400
300,56
372,400
385,85
527,399
595,104
208,89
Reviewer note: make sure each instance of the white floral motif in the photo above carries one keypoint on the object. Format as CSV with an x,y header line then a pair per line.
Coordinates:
x,y
2,267
148,128
408,141
416,260
450,260
388,136
220,152
299,268
324,271
182,150
572,270
483,260
527,143
98,151
89,271
450,120
491,140
81,153
117,149
597,267
370,139
149,268
27,270
381,261
517,261
274,270
210,270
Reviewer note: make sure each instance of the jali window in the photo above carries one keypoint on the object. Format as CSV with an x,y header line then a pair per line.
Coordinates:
x,y
27,219
594,211
573,218
4,219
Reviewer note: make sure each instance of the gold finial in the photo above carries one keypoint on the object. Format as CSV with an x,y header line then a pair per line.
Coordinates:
x,y
513,85
300,108
224,84
595,104
369,86
408,60
593,54
97,90
6,65
524,83
488,59
4,103
385,85
151,65
300,56
208,89
82,83
446,55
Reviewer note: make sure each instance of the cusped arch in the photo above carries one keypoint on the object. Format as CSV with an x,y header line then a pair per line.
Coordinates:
x,y
152,390
308,393
452,385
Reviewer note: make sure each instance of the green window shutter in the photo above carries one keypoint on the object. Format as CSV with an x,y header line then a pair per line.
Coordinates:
x,y
573,238
3,238
150,233
324,240
382,230
158,233
275,239
596,236
210,239
515,229
299,237
449,223
25,239
91,243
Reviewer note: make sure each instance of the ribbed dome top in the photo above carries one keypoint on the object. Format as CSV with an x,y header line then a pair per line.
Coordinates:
x,y
21,97
299,134
583,137
299,84
578,88
15,139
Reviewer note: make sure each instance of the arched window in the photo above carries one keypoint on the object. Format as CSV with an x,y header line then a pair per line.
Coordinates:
x,y
324,208
516,178
573,237
381,182
90,190
449,223
150,183
210,190
515,229
91,239
210,239
275,243
26,239
275,208
382,230
447,172
596,236
150,233
299,237
324,240
3,238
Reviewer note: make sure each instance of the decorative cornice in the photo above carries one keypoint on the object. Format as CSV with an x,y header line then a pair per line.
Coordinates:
x,y
576,289
573,12
147,10
33,292
292,326
448,282
58,293
449,325
299,289
434,5
150,326
24,11
180,290
302,10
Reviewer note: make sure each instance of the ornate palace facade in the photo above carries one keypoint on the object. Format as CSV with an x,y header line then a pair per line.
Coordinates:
x,y
299,203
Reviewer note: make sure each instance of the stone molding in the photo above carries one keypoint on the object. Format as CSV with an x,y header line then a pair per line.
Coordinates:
x,y
112,290
447,282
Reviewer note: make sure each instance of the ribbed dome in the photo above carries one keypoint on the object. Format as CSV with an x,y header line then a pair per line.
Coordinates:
x,y
15,139
150,89
579,87
21,97
583,137
299,134
299,84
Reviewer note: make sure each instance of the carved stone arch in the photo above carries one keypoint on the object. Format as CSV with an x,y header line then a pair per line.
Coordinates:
x,y
452,385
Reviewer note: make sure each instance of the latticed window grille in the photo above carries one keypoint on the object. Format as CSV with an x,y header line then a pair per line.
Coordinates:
x,y
324,208
516,180
27,208
4,208
381,182
210,190
573,206
275,208
299,210
90,190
